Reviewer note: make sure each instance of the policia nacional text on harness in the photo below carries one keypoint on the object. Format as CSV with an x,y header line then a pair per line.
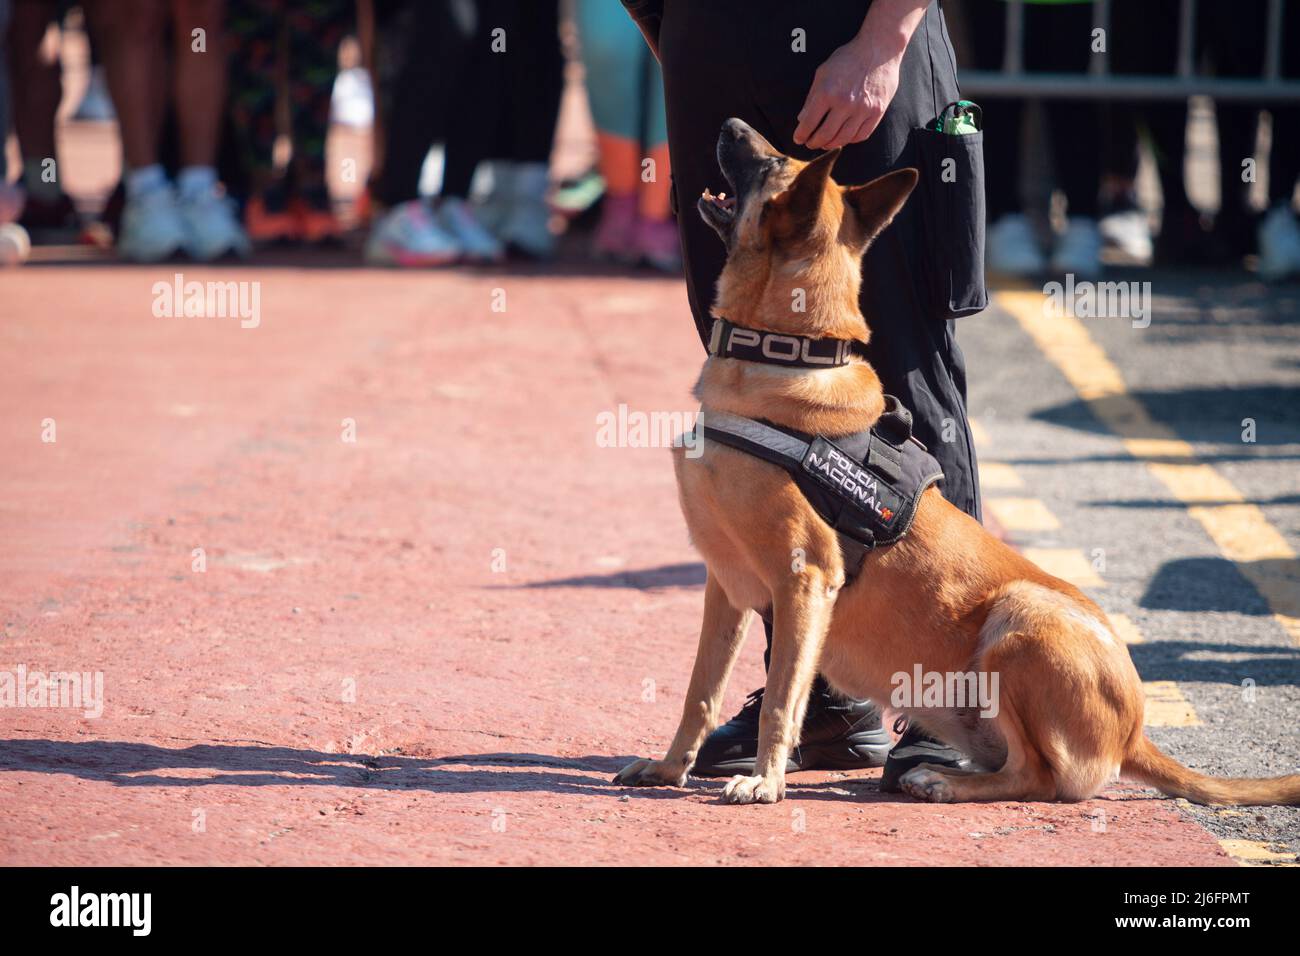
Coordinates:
x,y
866,485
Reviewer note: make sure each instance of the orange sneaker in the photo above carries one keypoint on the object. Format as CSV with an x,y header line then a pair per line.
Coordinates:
x,y
265,224
314,224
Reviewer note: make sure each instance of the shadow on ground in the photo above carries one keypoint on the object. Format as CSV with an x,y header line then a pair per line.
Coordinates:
x,y
690,574
1273,665
1214,584
1212,415
129,764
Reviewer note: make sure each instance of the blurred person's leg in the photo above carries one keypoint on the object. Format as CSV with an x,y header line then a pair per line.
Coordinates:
x,y
1013,247
477,127
6,9
619,91
656,238
35,93
1061,41
255,32
529,79
1136,49
155,221
315,31
422,62
130,34
199,80
1235,36
421,49
612,50
11,194
199,68
1123,223
1279,231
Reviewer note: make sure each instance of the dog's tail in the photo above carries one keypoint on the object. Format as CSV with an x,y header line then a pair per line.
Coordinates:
x,y
1146,763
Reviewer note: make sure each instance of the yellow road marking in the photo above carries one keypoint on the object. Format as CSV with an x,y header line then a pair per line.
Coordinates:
x,y
1255,853
998,476
1069,564
1128,631
1022,514
1166,706
1238,528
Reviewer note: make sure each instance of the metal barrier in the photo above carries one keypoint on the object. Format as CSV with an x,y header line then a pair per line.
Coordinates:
x,y
1099,83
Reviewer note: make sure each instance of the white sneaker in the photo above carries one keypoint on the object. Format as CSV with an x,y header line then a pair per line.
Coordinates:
x,y
152,228
456,217
211,227
1013,248
1279,244
1129,231
408,236
1078,251
528,223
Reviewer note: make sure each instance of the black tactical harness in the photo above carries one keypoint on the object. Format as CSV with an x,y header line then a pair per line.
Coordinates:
x,y
866,485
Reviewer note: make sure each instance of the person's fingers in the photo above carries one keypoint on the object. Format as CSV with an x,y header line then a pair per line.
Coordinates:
x,y
814,108
830,128
865,128
852,123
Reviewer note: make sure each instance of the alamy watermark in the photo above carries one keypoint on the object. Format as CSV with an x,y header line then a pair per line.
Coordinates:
x,y
208,300
70,689
635,429
1099,300
75,908
945,690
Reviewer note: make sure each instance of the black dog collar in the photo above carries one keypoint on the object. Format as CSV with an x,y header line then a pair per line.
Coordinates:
x,y
777,348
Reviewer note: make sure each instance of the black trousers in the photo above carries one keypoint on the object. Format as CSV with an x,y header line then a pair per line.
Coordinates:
x,y
442,80
724,58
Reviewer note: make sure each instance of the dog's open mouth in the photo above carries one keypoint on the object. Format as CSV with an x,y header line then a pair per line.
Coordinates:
x,y
719,210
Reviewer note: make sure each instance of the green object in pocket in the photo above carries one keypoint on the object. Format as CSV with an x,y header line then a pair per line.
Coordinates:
x,y
965,118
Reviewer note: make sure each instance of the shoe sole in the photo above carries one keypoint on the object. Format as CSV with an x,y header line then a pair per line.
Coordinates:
x,y
870,751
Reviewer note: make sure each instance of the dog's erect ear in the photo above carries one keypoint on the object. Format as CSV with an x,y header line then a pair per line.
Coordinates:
x,y
802,198
875,204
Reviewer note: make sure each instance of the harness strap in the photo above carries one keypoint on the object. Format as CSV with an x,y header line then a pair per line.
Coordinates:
x,y
862,512
788,451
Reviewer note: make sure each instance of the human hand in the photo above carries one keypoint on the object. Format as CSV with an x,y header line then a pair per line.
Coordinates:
x,y
849,95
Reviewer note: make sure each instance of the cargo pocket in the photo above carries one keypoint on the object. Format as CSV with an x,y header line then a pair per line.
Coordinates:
x,y
951,189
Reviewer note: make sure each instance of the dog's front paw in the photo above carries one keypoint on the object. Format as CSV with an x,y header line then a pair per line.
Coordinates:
x,y
925,784
753,790
650,773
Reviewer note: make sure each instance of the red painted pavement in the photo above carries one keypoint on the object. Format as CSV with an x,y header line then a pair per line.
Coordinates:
x,y
491,707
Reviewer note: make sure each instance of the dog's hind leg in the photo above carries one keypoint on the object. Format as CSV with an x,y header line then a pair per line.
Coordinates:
x,y
1024,776
721,634
800,620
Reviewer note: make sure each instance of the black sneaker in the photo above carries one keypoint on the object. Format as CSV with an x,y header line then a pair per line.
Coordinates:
x,y
916,747
837,734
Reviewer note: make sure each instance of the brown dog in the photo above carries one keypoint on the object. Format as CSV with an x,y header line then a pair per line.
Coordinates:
x,y
948,598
